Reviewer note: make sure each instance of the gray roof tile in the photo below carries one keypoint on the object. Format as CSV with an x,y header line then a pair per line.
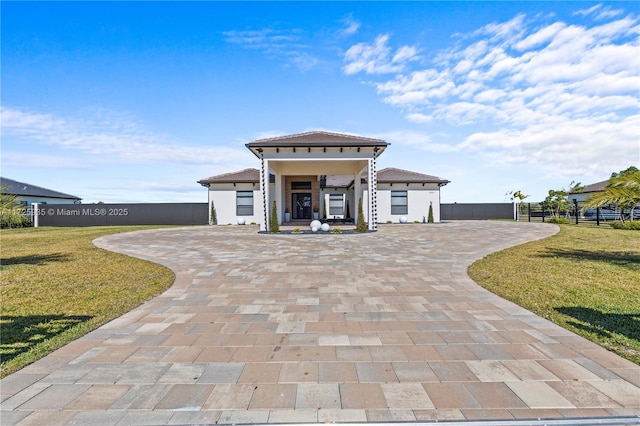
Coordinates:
x,y
15,187
393,175
596,187
249,175
317,138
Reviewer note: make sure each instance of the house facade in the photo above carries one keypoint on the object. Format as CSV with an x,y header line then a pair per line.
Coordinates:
x,y
322,175
27,194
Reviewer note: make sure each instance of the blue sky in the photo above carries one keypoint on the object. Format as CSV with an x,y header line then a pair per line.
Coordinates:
x,y
136,101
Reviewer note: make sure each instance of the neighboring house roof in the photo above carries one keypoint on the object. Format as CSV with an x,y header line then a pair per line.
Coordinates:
x,y
249,175
316,139
13,187
596,187
393,175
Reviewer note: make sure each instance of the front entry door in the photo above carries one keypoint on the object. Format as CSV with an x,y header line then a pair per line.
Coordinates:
x,y
301,206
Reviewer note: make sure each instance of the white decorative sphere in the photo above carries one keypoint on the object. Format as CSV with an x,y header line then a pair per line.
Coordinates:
x,y
325,227
315,223
403,219
315,228
241,221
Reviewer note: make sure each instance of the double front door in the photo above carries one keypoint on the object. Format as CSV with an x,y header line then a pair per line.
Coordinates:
x,y
301,205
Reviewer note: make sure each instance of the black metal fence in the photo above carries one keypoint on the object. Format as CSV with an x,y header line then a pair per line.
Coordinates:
x,y
121,214
476,211
574,212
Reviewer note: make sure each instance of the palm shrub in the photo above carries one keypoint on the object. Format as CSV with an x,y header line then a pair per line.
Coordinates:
x,y
623,191
361,226
11,212
273,219
430,217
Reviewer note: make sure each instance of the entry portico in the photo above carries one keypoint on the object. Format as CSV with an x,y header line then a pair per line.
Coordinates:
x,y
300,162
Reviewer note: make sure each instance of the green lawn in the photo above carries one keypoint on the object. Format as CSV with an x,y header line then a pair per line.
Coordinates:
x,y
57,286
584,279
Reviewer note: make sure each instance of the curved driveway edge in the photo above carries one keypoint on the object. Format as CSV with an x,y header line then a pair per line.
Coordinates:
x,y
379,327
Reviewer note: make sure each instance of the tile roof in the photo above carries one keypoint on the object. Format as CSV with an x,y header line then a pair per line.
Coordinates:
x,y
249,175
27,190
316,138
388,175
393,175
596,187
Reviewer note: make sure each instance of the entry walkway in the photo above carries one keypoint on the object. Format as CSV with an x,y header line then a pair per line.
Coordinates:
x,y
378,327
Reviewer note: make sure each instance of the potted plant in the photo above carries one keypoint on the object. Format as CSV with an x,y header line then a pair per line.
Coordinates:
x,y
315,212
287,215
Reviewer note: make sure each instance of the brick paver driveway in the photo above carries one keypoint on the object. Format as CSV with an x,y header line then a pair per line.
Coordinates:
x,y
323,328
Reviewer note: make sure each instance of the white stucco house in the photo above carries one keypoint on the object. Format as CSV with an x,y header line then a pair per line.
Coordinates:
x,y
322,174
588,191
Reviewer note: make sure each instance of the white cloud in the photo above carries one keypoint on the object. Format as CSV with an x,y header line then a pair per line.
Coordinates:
x,y
40,160
351,26
504,30
540,37
376,58
106,135
275,43
265,38
559,96
415,139
567,148
600,12
419,118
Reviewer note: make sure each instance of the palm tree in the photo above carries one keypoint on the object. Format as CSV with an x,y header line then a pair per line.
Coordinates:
x,y
623,191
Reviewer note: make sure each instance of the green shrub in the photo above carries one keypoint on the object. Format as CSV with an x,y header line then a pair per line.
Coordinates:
x,y
214,216
336,230
631,226
274,226
430,218
361,226
556,219
297,231
13,218
12,214
389,222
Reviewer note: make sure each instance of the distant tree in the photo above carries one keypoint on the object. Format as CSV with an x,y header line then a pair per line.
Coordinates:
x,y
557,199
517,195
361,226
274,226
630,169
623,191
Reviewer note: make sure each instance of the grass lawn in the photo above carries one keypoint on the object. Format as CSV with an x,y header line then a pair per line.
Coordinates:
x,y
57,286
584,279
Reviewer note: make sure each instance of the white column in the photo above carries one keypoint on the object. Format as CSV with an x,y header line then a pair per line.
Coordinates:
x,y
372,203
264,189
279,197
357,192
34,214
